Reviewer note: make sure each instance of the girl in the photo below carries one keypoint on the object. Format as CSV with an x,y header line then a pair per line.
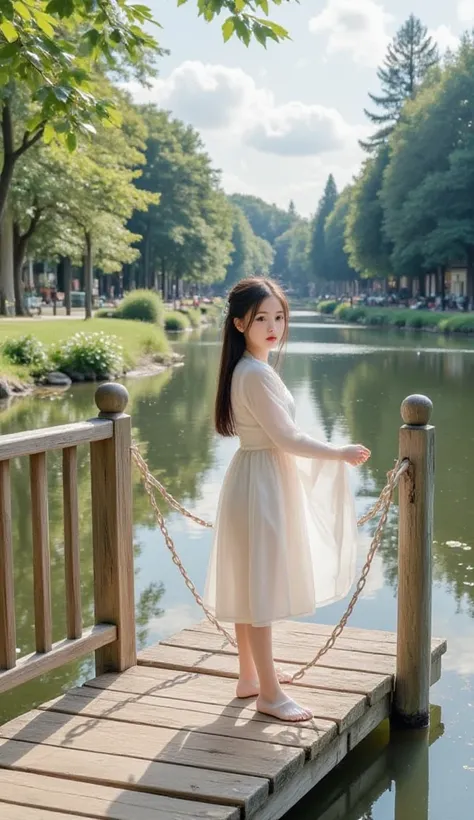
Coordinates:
x,y
286,531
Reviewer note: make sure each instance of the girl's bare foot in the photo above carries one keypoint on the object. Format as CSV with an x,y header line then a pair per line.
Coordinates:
x,y
251,688
283,709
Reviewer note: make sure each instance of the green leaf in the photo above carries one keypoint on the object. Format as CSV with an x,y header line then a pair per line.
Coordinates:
x,y
4,78
278,30
34,123
9,31
264,5
71,141
228,29
45,22
49,133
239,5
182,2
22,10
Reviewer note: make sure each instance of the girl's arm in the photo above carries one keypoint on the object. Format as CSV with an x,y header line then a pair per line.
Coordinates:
x,y
262,396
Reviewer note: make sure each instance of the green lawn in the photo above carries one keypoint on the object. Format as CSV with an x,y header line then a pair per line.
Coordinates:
x,y
137,338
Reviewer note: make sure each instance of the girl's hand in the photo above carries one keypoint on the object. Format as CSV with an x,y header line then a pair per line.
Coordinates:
x,y
355,454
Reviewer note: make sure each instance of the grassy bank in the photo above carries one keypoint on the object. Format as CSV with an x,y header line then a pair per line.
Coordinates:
x,y
400,318
137,340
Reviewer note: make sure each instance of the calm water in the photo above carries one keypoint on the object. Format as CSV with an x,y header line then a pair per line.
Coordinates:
x,y
348,384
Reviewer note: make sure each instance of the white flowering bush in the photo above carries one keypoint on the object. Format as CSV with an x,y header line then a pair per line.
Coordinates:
x,y
88,353
28,351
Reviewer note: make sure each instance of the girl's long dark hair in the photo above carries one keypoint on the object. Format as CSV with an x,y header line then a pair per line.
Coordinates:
x,y
244,301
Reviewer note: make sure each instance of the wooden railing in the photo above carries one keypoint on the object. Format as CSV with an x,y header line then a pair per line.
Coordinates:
x,y
112,637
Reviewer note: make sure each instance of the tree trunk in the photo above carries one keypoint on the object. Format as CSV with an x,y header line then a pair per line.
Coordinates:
x,y
19,251
67,284
470,276
88,274
7,288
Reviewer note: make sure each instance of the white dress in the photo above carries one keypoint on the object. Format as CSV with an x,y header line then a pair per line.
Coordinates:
x,y
285,538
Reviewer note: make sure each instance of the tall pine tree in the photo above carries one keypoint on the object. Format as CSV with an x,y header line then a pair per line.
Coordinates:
x,y
325,207
409,58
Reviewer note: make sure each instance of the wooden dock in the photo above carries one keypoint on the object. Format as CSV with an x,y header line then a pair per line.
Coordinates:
x,y
160,736
167,738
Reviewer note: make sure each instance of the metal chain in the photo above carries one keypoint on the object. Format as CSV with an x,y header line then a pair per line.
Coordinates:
x,y
381,505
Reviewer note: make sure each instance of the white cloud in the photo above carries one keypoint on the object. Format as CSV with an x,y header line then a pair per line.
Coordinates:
x,y
219,99
445,38
297,129
465,11
358,27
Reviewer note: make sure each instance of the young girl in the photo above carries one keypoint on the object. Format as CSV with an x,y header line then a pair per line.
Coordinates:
x,y
286,531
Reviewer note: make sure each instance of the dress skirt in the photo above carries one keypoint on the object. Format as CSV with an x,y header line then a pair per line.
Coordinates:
x,y
285,537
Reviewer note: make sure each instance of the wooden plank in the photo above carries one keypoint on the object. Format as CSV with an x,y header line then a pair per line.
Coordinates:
x,y
31,666
296,650
39,791
342,707
351,638
277,763
41,558
315,770
112,535
131,709
173,657
9,811
72,566
290,652
125,772
7,593
54,438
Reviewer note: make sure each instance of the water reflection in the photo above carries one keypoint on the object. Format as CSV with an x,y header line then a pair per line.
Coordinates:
x,y
354,395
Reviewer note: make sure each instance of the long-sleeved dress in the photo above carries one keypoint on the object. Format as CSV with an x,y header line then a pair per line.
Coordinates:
x,y
285,538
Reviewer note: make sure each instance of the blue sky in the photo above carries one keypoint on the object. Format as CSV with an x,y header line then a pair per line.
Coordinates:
x,y
277,122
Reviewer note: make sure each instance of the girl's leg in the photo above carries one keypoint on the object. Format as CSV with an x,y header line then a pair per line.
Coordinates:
x,y
247,685
272,699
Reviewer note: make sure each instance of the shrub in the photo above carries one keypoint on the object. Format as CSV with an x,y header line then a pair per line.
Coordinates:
x,y
174,320
457,324
142,306
89,353
193,315
327,307
350,314
105,313
28,351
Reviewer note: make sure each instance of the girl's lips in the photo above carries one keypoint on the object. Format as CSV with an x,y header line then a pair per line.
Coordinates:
x,y
271,338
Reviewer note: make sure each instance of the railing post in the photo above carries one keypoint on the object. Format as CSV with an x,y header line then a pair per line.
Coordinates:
x,y
416,488
113,531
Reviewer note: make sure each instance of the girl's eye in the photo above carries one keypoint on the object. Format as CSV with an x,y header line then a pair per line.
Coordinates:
x,y
260,319
279,318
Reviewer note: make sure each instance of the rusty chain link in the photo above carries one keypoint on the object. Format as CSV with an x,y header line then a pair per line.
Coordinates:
x,y
382,505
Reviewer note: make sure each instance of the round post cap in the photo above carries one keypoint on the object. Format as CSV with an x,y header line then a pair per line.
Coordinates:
x,y
416,410
111,397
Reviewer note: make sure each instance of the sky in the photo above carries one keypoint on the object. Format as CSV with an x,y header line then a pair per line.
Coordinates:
x,y
277,122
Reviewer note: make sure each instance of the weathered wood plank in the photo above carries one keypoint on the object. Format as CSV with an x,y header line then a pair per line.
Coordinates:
x,y
9,811
125,772
7,594
173,657
278,804
72,566
42,792
342,707
41,558
290,651
374,641
295,650
131,709
30,666
54,438
275,762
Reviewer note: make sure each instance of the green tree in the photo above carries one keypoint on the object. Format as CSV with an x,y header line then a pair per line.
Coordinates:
x,y
428,186
325,207
292,258
367,246
187,235
409,58
338,267
267,221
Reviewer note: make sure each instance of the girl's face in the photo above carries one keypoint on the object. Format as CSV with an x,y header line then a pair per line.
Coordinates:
x,y
267,328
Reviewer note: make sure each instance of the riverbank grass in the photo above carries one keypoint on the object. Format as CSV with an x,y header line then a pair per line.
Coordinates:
x,y
138,340
440,321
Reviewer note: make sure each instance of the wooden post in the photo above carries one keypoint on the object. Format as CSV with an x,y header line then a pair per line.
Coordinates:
x,y
113,531
410,768
417,440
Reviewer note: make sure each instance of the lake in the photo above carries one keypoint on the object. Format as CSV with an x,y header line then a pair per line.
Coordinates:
x,y
348,384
